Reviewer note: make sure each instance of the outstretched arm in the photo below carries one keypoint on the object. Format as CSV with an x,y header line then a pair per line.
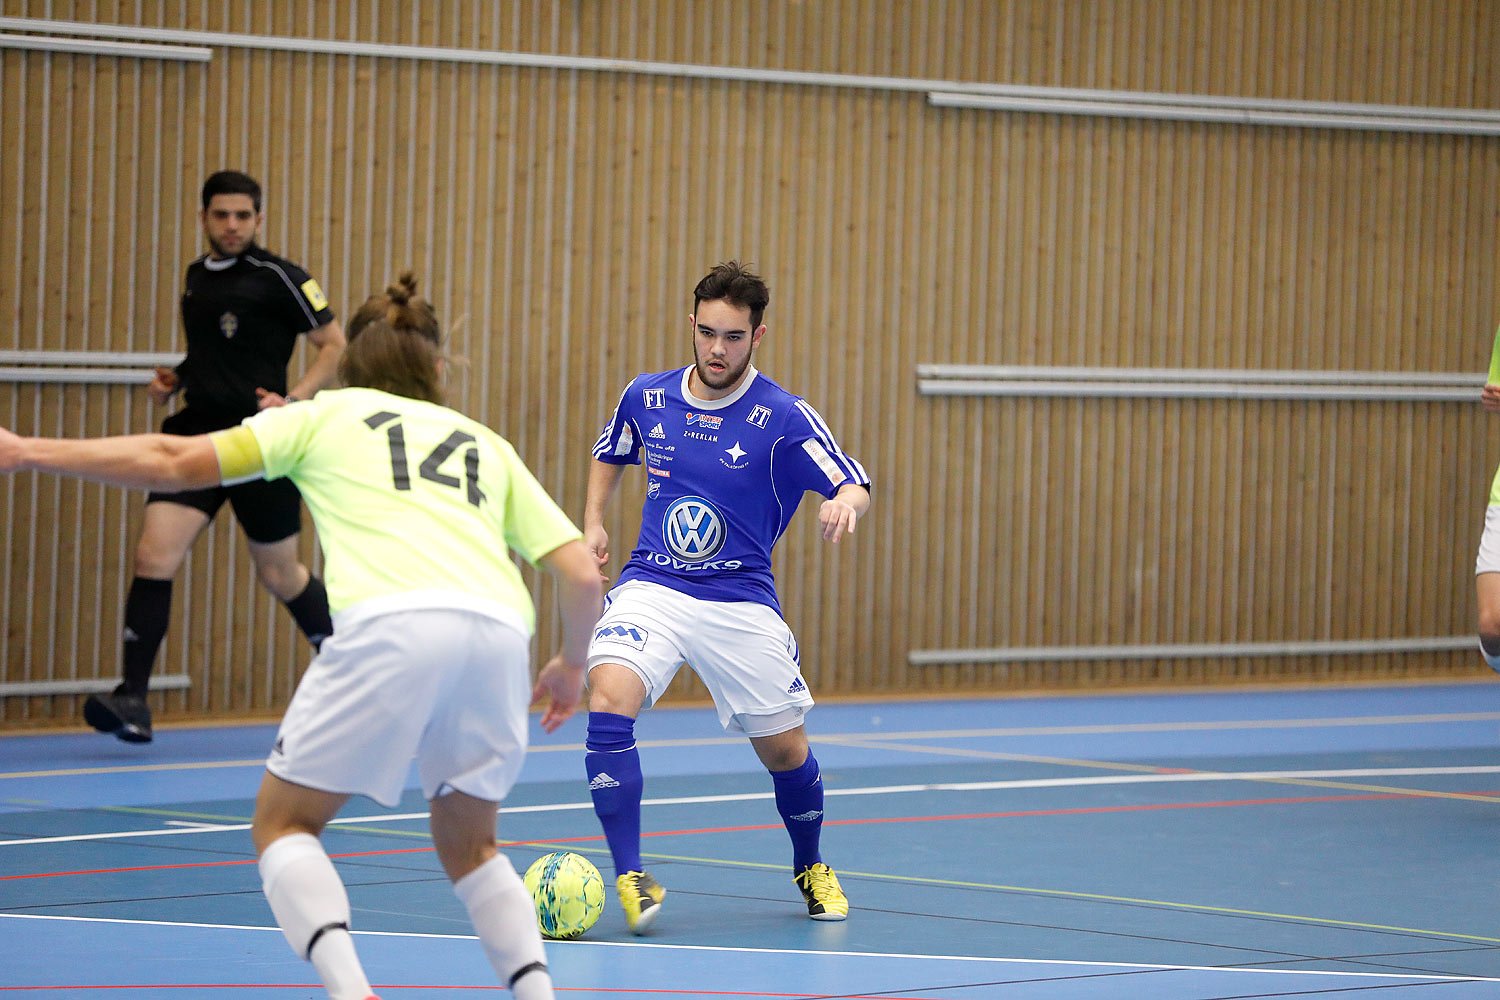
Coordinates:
x,y
144,461
838,514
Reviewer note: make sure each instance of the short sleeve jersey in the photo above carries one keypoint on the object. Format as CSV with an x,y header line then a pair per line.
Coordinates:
x,y
1493,378
408,495
242,322
723,479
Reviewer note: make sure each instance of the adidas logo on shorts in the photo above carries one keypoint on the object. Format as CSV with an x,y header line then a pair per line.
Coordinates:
x,y
797,687
603,780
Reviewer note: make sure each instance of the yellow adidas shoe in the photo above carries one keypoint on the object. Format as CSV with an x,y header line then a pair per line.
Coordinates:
x,y
640,896
820,888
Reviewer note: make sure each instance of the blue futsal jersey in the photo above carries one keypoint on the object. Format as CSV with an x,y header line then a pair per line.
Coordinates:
x,y
723,479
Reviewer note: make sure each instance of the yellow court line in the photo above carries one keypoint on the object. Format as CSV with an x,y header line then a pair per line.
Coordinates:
x,y
871,739
70,772
1105,765
1422,793
1025,758
172,813
1030,890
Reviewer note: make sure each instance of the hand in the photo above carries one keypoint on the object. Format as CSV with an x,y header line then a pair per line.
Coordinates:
x,y
11,447
163,383
597,541
266,400
561,684
836,516
1490,398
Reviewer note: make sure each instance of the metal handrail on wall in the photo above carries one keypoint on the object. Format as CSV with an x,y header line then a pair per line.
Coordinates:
x,y
1196,383
86,367
940,93
83,367
1193,383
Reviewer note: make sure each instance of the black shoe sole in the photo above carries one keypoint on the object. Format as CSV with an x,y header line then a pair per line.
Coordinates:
x,y
98,715
103,718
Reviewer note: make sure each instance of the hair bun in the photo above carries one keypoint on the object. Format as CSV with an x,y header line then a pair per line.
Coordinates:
x,y
404,290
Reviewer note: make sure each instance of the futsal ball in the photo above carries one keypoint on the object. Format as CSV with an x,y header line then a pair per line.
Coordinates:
x,y
568,893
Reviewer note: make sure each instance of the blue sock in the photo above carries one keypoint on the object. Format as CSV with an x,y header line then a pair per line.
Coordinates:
x,y
615,782
799,799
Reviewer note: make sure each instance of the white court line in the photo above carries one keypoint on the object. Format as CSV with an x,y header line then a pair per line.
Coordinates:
x,y
968,786
836,738
1071,963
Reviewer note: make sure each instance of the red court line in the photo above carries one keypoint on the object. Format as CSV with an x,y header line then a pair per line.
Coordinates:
x,y
1084,811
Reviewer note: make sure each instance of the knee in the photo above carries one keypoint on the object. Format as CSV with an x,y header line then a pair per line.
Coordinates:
x,y
154,561
616,689
786,759
266,830
284,579
1489,630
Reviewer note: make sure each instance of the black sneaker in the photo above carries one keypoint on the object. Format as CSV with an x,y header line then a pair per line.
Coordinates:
x,y
125,715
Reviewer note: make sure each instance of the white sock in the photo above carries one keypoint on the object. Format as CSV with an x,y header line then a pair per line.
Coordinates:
x,y
307,897
505,920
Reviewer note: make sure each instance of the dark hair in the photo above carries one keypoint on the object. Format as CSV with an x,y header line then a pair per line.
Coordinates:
x,y
231,182
736,284
395,344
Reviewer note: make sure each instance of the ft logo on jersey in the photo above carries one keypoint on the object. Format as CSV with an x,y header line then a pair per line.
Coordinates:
x,y
656,399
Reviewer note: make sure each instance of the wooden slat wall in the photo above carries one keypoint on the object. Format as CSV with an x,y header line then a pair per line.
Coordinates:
x,y
559,220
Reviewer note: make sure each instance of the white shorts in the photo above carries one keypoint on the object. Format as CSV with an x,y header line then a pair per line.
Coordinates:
x,y
1488,560
450,687
743,651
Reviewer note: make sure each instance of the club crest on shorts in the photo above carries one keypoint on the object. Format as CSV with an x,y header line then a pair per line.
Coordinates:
x,y
624,632
693,529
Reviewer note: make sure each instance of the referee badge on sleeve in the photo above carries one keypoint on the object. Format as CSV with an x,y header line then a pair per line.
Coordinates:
x,y
315,296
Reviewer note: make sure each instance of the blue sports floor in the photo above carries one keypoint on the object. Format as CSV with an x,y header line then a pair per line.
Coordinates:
x,y
1308,843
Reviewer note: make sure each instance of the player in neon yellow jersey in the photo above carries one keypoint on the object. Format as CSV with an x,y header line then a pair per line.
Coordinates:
x,y
415,506
1487,563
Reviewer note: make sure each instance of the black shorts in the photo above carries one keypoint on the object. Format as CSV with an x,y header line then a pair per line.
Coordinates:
x,y
268,510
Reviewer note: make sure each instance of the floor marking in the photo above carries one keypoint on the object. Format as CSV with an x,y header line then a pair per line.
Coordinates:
x,y
1153,777
985,959
1029,890
841,738
1177,773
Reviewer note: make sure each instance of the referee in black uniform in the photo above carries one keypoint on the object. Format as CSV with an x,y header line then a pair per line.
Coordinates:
x,y
243,309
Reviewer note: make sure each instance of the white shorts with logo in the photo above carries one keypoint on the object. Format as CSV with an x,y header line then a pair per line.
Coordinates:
x,y
743,651
449,686
1488,560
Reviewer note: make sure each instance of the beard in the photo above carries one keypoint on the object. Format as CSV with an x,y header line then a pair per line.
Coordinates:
x,y
714,381
220,250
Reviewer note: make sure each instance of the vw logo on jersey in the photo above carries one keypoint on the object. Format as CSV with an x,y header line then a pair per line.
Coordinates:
x,y
693,529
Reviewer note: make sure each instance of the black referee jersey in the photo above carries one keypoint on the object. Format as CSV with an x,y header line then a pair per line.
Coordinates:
x,y
242,322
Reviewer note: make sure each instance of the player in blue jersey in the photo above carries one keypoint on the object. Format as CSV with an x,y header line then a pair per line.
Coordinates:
x,y
728,455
